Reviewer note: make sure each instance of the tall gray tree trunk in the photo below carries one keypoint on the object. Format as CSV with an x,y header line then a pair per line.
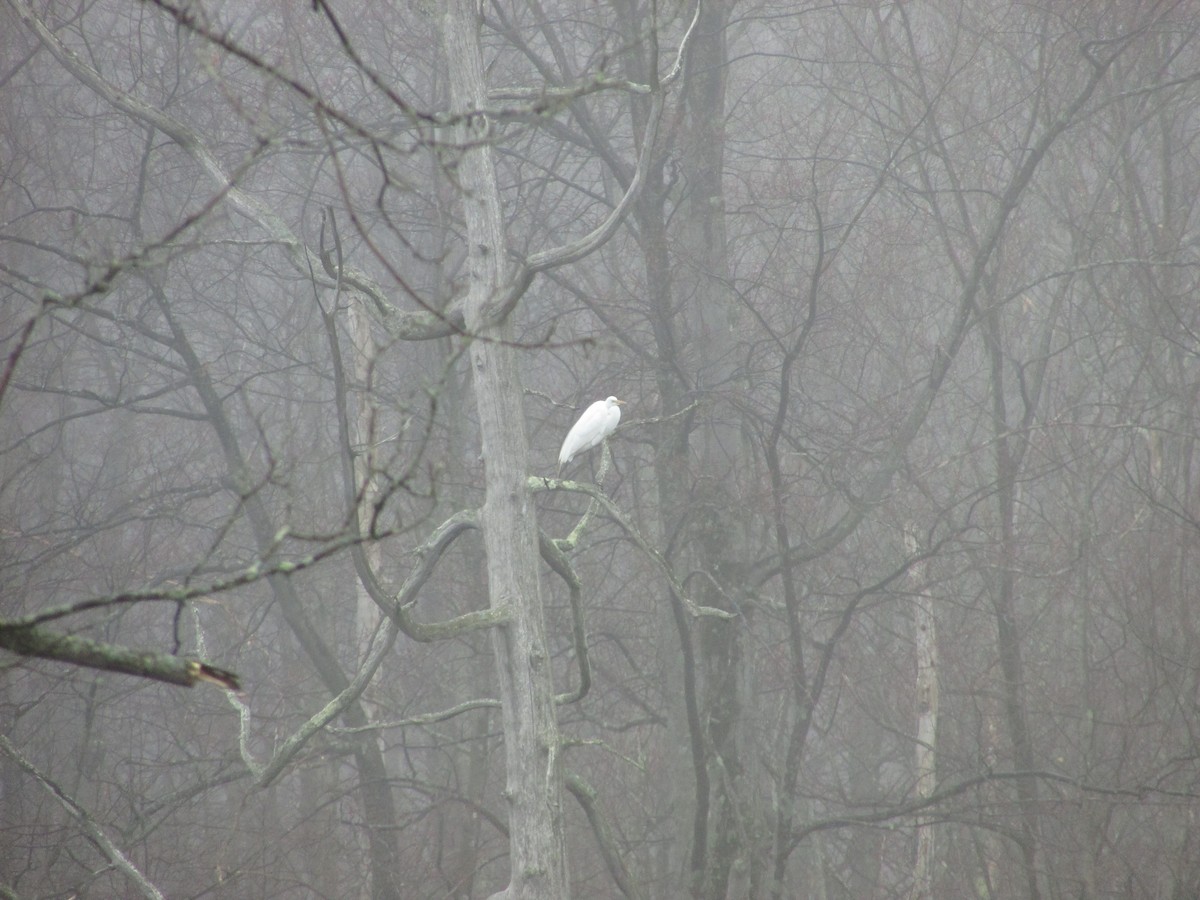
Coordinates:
x,y
1008,456
925,638
699,455
709,318
538,869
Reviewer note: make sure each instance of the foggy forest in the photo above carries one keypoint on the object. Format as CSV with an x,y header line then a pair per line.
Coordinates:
x,y
882,587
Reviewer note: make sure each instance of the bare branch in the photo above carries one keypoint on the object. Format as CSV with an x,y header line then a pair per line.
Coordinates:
x,y
425,718
576,250
586,795
330,711
30,640
398,607
541,483
86,822
412,325
557,560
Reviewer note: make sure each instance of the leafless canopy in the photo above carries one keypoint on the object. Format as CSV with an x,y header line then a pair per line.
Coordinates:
x,y
882,588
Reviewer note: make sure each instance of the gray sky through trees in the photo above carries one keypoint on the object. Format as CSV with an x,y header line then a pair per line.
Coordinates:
x,y
882,587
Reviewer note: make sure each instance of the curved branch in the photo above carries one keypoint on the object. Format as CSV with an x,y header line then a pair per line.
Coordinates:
x,y
576,250
334,708
428,556
396,607
586,795
557,560
542,483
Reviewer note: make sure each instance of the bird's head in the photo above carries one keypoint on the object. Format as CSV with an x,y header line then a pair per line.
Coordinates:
x,y
613,401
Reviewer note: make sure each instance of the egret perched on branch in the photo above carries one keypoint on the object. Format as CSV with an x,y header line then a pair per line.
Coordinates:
x,y
597,422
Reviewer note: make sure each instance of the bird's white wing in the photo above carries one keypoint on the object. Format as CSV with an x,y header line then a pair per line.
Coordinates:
x,y
586,433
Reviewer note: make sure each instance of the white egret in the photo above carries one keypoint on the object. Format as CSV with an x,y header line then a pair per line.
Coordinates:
x,y
597,422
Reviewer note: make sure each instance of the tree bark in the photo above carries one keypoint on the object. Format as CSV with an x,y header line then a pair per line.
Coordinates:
x,y
30,640
537,852
925,638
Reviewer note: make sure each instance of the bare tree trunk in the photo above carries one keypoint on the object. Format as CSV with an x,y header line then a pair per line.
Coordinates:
x,y
731,863
538,868
366,612
925,637
699,456
1004,604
